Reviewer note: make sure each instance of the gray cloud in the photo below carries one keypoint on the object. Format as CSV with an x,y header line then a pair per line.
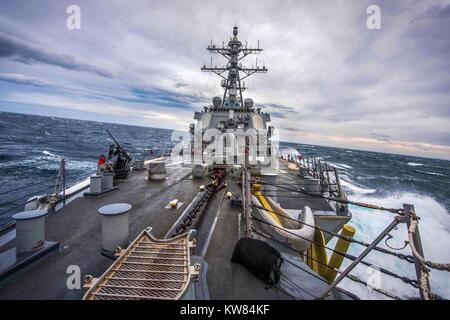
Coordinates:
x,y
277,106
380,136
279,111
180,85
17,78
25,52
439,11
331,80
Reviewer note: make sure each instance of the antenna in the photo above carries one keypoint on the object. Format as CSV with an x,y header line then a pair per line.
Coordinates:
x,y
234,72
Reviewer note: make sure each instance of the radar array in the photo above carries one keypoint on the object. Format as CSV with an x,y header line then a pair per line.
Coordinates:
x,y
234,52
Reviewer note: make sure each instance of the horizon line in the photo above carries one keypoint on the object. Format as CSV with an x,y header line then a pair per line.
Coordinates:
x,y
169,129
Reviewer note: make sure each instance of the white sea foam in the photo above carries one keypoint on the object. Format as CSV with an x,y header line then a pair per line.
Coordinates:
x,y
50,162
342,166
434,230
42,164
415,164
435,234
346,166
48,153
351,187
290,151
81,165
431,173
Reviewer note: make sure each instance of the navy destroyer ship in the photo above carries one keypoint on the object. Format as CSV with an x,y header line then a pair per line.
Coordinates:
x,y
227,215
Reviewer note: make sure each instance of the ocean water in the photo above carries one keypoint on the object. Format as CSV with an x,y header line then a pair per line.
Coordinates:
x,y
390,180
31,148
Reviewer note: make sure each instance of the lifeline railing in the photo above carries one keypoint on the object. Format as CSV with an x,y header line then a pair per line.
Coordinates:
x,y
328,176
405,215
51,187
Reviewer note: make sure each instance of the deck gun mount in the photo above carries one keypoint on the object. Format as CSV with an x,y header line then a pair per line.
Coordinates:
x,y
120,159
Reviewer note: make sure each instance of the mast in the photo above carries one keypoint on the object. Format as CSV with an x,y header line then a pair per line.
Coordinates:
x,y
231,72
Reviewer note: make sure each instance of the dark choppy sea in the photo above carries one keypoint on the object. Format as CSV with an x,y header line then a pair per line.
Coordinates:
x,y
32,146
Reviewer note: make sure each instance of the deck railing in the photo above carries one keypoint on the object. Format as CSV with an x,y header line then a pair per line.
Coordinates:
x,y
405,215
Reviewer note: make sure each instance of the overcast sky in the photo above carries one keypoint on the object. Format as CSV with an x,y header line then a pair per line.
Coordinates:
x,y
331,80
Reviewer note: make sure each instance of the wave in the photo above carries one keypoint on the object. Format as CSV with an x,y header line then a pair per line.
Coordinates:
x,y
431,173
48,153
435,234
415,164
353,188
289,151
379,177
48,162
342,166
434,224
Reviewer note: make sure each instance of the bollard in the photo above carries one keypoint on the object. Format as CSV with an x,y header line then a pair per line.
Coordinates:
x,y
115,225
108,179
157,170
30,230
341,247
198,171
96,184
138,165
312,185
302,171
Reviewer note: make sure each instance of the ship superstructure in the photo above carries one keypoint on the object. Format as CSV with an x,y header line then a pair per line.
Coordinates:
x,y
231,114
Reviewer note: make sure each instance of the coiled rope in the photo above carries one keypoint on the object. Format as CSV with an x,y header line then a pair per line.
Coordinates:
x,y
411,230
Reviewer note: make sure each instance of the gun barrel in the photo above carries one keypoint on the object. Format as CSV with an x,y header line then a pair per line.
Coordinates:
x,y
114,139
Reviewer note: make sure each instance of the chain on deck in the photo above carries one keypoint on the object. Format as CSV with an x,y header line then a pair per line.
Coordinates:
x,y
147,269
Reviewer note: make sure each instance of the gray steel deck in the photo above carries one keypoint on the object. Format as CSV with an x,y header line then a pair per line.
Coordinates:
x,y
227,280
77,227
295,200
